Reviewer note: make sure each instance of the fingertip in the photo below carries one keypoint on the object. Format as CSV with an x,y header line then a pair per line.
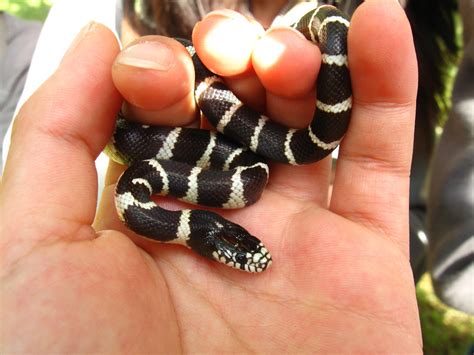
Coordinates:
x,y
388,53
154,73
224,40
286,62
93,32
378,146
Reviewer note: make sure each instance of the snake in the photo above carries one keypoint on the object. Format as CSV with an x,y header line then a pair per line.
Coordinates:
x,y
227,167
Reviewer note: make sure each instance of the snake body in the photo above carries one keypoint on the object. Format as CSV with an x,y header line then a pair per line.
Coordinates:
x,y
227,168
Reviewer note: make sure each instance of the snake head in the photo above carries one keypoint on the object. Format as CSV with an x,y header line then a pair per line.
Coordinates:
x,y
218,239
237,248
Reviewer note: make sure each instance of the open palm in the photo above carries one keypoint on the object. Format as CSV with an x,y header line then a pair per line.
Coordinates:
x,y
340,280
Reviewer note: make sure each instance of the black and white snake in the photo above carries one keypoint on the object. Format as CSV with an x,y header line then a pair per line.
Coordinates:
x,y
226,169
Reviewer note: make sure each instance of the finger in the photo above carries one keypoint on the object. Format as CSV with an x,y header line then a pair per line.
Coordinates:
x,y
288,87
155,75
248,88
224,40
372,174
50,182
291,112
287,64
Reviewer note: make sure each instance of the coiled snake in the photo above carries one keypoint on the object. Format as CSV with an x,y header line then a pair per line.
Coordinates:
x,y
226,168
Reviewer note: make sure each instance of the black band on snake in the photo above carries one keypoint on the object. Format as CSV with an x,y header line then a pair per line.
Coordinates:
x,y
227,169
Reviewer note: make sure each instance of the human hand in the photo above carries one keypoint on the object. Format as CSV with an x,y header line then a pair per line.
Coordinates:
x,y
341,278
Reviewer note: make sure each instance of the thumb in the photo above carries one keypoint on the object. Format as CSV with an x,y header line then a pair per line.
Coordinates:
x,y
50,183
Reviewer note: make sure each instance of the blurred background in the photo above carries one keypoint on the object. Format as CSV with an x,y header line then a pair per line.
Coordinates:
x,y
445,330
27,9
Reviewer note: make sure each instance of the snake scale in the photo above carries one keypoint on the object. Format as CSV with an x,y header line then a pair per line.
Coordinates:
x,y
227,168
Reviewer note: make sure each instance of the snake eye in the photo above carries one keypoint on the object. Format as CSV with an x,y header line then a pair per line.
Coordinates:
x,y
241,258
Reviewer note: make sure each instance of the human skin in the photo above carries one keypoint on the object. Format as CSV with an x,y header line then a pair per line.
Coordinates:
x,y
74,280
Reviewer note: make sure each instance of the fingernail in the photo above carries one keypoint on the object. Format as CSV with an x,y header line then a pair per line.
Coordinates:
x,y
147,55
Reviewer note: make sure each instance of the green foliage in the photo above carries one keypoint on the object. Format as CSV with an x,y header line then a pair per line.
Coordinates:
x,y
449,70
27,9
445,330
